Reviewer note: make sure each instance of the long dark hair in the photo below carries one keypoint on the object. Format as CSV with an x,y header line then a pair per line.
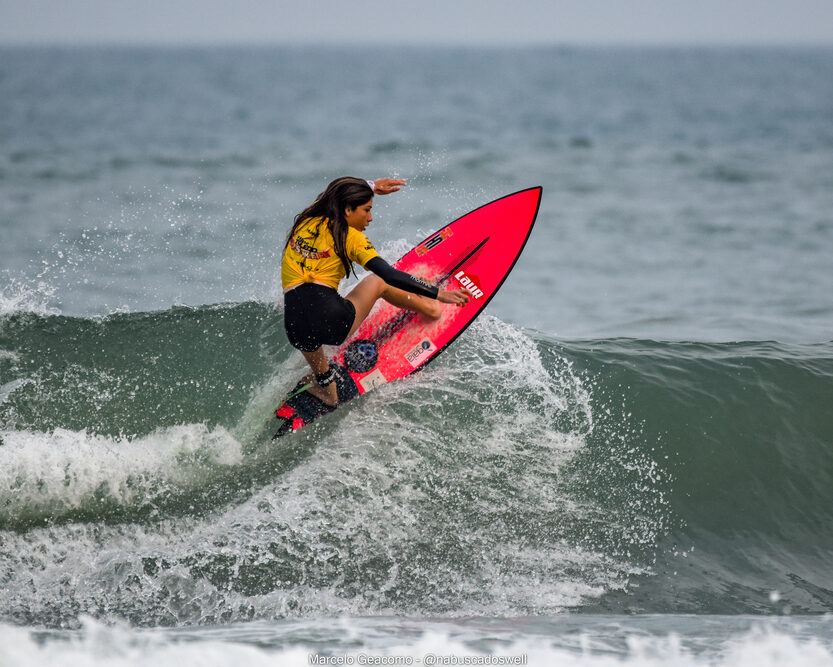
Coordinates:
x,y
342,193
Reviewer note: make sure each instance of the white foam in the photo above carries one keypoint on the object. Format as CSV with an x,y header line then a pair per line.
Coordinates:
x,y
41,473
357,487
10,387
120,646
98,645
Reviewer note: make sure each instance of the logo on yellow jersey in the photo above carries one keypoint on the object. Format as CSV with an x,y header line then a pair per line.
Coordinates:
x,y
307,250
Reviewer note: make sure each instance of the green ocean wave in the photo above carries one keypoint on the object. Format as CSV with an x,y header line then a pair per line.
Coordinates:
x,y
518,474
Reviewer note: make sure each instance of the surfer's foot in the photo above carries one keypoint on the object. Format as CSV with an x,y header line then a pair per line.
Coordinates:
x,y
322,382
327,395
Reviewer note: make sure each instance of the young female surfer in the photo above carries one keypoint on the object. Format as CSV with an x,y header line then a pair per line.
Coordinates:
x,y
325,239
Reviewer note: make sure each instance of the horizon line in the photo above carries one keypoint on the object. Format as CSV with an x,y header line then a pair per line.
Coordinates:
x,y
478,44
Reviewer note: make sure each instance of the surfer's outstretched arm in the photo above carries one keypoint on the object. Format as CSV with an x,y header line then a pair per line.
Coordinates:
x,y
405,282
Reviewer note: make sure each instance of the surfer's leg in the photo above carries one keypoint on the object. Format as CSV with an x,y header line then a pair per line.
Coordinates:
x,y
320,364
372,288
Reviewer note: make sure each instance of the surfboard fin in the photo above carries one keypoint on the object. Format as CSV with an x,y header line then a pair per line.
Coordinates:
x,y
284,428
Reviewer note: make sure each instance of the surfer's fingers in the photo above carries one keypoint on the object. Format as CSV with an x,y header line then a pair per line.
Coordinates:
x,y
457,297
462,296
385,186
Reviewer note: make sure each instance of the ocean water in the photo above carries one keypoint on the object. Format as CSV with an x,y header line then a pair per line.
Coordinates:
x,y
625,461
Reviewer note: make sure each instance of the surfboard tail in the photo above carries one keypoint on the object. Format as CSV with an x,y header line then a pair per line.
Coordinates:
x,y
302,408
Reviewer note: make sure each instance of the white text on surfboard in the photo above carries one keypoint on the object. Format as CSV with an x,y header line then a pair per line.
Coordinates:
x,y
469,284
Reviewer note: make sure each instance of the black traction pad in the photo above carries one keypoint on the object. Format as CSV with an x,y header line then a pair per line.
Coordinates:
x,y
309,408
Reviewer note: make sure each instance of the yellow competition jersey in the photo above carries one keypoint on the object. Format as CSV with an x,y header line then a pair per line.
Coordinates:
x,y
311,255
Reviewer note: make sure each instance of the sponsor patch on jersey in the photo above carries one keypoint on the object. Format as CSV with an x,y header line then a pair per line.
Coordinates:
x,y
420,352
469,284
434,241
307,250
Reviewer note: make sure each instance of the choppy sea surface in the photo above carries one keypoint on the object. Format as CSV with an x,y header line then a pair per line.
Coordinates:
x,y
627,460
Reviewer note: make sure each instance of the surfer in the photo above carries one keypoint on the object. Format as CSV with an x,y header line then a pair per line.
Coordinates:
x,y
325,239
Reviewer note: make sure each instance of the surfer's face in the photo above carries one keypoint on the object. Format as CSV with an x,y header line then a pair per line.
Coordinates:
x,y
359,217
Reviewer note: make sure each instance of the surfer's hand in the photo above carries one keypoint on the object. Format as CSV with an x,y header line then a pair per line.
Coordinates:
x,y
458,297
385,186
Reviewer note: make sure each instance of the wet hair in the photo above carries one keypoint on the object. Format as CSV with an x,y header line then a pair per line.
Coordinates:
x,y
342,193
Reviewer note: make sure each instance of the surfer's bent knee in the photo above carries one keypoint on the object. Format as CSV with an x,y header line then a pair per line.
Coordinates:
x,y
379,286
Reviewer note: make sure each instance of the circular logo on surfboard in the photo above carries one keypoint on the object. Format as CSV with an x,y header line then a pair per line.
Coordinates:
x,y
361,355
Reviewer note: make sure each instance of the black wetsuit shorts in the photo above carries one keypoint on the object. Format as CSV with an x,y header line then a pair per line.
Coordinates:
x,y
316,315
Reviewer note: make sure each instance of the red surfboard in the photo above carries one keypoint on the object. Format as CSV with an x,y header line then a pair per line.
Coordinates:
x,y
475,253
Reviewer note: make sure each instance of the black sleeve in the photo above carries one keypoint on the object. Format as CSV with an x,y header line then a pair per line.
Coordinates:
x,y
400,279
